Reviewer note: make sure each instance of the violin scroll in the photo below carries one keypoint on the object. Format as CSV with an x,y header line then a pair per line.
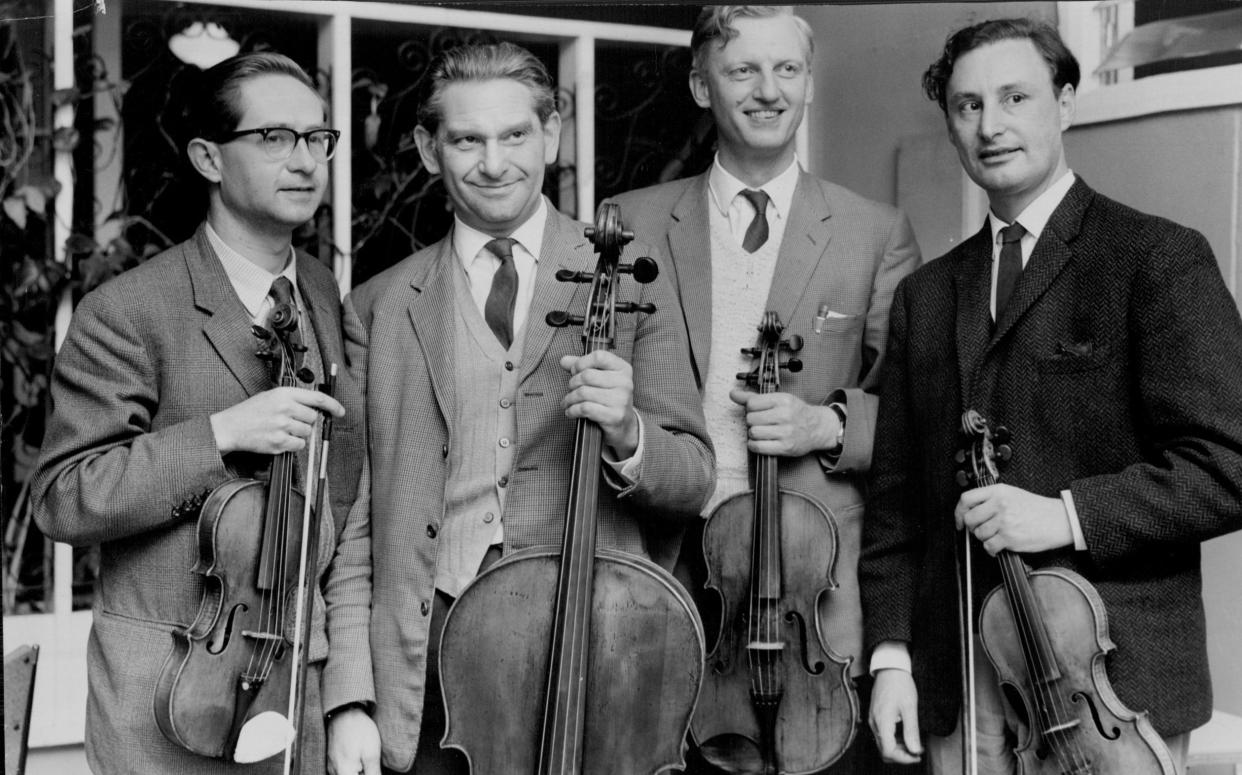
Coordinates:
x,y
987,451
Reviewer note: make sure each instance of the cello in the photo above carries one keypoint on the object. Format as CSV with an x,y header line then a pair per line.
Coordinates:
x,y
233,686
1046,634
777,699
577,659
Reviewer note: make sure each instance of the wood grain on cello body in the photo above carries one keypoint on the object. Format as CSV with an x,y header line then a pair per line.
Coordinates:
x,y
577,660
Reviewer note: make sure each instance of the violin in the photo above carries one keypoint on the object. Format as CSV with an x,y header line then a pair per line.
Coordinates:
x,y
777,699
1046,634
233,686
577,659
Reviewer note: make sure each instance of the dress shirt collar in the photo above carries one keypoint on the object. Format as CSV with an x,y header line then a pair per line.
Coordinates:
x,y
468,241
251,281
1037,214
725,187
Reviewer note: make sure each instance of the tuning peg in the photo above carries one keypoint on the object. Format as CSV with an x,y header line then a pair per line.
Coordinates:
x,y
793,365
630,306
793,344
644,269
305,375
963,480
261,333
570,276
560,319
1001,435
959,457
1004,452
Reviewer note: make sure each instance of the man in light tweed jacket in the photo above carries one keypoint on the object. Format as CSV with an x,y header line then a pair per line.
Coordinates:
x,y
473,400
159,397
825,259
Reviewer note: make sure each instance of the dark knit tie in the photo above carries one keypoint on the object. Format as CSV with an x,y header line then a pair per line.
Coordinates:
x,y
1010,265
757,231
498,311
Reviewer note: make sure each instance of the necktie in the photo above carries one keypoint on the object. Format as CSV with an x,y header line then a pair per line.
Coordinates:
x,y
757,231
1010,265
498,311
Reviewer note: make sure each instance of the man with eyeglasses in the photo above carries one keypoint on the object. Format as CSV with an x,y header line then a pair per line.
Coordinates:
x,y
159,397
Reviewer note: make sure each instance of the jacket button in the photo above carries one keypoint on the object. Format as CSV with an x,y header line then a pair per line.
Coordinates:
x,y
503,481
423,608
508,365
488,517
431,531
444,451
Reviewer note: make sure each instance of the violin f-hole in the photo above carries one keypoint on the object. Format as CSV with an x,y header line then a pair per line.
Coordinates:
x,y
1095,716
795,619
224,634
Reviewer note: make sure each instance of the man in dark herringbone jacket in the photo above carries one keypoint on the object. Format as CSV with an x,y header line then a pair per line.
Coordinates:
x,y
1106,341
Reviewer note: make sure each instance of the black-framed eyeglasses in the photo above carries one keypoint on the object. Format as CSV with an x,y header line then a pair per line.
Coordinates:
x,y
279,141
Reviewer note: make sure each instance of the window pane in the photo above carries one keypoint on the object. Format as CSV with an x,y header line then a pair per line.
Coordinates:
x,y
647,127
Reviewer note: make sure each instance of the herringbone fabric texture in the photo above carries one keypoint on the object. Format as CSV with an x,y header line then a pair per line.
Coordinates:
x,y
1115,365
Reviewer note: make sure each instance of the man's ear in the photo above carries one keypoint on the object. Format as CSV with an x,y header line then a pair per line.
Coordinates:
x,y
698,90
205,158
1067,103
427,149
551,137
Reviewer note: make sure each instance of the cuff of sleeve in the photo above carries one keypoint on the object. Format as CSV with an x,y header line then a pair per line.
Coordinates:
x,y
360,705
1080,543
623,475
891,654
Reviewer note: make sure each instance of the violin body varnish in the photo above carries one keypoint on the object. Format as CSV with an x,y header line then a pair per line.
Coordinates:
x,y
196,697
639,693
1067,601
815,718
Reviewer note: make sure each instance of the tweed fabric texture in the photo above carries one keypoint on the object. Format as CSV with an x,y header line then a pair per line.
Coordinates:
x,y
842,254
400,334
128,453
1115,365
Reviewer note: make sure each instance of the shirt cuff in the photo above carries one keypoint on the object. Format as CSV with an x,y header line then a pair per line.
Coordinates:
x,y
628,469
891,654
1080,543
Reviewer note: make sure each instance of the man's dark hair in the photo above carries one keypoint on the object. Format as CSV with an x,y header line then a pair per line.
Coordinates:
x,y
216,109
1047,42
479,63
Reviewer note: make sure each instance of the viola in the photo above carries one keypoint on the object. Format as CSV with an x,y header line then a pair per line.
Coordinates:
x,y
776,698
577,660
233,685
1046,634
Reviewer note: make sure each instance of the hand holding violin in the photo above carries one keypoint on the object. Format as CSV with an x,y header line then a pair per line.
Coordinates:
x,y
783,424
274,421
1002,517
601,388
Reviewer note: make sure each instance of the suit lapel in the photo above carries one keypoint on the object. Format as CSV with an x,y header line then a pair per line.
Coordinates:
x,y
229,326
974,315
564,247
320,296
432,313
690,250
1049,259
806,238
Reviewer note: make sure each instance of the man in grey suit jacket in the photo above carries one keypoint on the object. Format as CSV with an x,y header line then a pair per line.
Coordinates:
x,y
1105,340
755,233
473,400
159,397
